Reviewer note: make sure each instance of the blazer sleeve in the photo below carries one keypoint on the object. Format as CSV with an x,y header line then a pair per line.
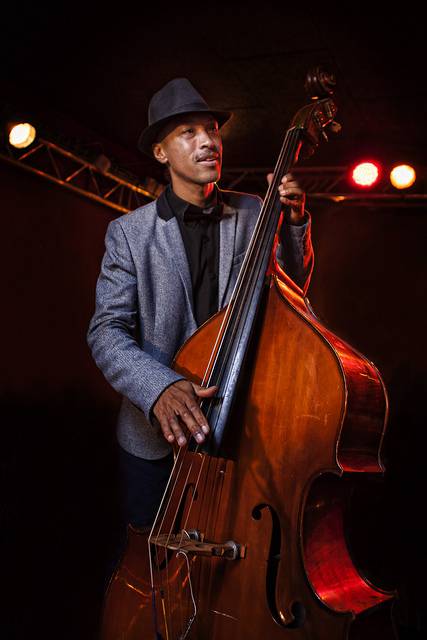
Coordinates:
x,y
112,335
295,251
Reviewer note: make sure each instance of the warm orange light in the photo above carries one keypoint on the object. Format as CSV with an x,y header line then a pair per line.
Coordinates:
x,y
365,174
22,135
402,176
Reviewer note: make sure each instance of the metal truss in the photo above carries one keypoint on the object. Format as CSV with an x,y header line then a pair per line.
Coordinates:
x,y
124,193
90,179
324,183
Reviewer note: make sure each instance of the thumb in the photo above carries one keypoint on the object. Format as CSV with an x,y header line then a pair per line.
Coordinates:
x,y
269,177
204,392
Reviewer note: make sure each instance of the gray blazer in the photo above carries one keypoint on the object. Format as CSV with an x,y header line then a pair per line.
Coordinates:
x,y
143,308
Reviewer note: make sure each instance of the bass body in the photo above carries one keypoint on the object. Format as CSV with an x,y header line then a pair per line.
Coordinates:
x,y
253,542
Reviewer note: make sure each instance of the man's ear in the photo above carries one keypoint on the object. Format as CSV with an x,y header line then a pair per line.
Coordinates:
x,y
158,152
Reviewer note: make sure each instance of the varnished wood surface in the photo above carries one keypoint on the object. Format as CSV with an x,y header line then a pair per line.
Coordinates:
x,y
309,408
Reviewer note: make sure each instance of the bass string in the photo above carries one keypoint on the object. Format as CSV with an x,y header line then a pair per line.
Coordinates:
x,y
201,523
163,510
232,320
172,523
178,591
200,500
243,277
209,473
287,150
230,323
161,588
168,492
181,454
219,336
184,528
240,281
234,317
245,282
167,609
212,527
245,285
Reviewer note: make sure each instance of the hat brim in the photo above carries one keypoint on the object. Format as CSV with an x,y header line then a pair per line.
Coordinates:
x,y
150,133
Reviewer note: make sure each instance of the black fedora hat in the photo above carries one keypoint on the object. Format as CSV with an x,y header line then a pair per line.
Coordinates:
x,y
176,97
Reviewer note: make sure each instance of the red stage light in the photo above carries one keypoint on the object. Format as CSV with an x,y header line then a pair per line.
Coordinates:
x,y
365,174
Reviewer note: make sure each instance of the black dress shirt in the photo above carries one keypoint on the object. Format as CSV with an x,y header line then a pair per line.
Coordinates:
x,y
200,233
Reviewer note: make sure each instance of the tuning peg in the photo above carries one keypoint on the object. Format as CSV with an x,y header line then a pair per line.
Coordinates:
x,y
324,134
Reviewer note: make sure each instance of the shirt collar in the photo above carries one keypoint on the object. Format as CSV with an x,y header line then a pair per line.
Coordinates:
x,y
170,204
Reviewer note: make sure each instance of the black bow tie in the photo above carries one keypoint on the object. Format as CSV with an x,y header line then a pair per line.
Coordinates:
x,y
193,213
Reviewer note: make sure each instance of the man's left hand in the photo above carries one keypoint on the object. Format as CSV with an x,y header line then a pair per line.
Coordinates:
x,y
291,195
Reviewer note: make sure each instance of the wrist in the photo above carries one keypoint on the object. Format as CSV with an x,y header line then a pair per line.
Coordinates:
x,y
295,216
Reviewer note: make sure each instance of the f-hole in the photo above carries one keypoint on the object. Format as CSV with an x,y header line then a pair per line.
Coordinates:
x,y
297,608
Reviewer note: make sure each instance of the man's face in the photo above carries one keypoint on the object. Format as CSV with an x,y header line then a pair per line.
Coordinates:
x,y
191,146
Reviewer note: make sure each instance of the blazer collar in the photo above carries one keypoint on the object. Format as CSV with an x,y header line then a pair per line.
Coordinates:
x,y
169,204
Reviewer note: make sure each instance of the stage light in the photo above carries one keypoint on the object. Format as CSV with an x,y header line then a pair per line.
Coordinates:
x,y
402,176
21,135
365,174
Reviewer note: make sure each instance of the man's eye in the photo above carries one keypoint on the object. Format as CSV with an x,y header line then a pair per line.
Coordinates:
x,y
189,130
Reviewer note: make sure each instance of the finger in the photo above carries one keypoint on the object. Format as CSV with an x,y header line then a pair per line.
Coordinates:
x,y
202,392
185,405
291,186
205,392
198,415
164,424
286,179
293,197
177,431
190,420
269,177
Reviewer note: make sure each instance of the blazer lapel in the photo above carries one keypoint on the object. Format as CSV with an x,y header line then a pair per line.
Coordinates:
x,y
226,249
174,246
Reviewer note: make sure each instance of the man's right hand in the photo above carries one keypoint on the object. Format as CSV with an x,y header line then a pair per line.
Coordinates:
x,y
181,399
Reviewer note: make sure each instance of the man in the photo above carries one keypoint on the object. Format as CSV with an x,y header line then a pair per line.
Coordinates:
x,y
168,266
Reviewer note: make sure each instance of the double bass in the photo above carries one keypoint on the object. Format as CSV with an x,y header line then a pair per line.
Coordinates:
x,y
249,541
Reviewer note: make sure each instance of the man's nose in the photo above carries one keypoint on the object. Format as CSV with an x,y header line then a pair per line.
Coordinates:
x,y
206,140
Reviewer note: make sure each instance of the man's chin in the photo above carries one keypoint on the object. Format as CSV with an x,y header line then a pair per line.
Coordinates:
x,y
209,174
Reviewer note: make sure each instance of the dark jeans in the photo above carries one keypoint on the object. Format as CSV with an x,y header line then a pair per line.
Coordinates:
x,y
142,484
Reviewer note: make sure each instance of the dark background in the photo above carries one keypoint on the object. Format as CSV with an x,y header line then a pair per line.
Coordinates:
x,y
89,74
